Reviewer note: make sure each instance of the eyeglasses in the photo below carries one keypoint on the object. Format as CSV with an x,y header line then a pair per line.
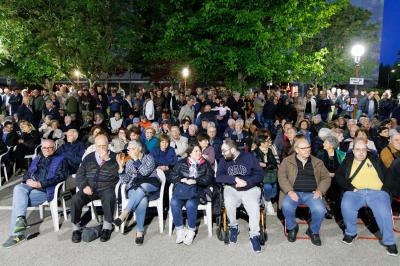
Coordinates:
x,y
47,148
224,151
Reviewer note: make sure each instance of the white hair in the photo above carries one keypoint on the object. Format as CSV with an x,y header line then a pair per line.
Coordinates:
x,y
324,132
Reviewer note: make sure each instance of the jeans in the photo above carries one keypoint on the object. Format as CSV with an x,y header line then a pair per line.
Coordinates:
x,y
316,206
380,203
24,196
138,202
270,191
191,209
251,202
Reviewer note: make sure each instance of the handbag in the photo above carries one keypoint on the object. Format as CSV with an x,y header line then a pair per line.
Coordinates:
x,y
270,176
91,233
184,191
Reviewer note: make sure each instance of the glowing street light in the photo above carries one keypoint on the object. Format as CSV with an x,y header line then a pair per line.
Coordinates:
x,y
185,74
77,74
357,51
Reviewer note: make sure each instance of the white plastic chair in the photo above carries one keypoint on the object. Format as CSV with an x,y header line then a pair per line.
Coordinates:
x,y
158,203
207,208
29,157
4,166
54,207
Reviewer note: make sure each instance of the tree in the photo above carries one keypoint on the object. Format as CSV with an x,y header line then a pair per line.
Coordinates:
x,y
349,25
238,41
48,39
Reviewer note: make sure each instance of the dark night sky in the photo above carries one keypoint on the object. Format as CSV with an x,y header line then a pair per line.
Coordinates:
x,y
390,32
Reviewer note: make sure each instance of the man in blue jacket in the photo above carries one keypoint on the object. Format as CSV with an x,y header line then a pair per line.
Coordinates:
x,y
37,186
72,150
240,172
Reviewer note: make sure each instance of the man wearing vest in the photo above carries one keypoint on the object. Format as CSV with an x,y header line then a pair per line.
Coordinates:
x,y
96,179
362,178
37,186
303,179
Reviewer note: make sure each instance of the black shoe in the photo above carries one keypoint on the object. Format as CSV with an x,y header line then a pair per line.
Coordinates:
x,y
328,215
117,222
348,240
292,234
105,235
139,240
392,250
76,236
315,239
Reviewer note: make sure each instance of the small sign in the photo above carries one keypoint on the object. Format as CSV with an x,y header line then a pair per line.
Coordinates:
x,y
353,101
8,81
356,81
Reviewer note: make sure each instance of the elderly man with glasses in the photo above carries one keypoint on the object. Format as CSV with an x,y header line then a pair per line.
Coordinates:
x,y
37,186
363,178
303,179
96,178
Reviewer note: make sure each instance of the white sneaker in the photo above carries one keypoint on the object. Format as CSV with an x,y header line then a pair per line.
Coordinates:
x,y
189,237
180,236
270,208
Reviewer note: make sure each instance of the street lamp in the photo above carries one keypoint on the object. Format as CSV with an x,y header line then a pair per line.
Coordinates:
x,y
185,74
391,71
77,74
357,51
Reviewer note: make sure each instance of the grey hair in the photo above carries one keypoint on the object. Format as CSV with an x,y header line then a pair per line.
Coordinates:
x,y
324,133
137,144
333,141
240,121
48,140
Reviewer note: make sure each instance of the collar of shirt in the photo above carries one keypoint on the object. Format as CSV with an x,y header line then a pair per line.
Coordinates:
x,y
99,160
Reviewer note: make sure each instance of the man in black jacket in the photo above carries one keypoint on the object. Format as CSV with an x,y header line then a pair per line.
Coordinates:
x,y
362,178
96,179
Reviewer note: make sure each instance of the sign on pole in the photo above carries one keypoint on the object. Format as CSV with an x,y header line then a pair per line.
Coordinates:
x,y
8,81
356,81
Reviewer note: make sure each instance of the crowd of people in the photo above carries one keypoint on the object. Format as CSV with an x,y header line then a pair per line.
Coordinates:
x,y
331,152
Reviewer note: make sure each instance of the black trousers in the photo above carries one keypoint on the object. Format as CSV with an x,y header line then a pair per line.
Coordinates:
x,y
108,201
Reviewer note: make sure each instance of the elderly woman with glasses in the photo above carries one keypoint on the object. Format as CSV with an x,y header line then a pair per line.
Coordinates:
x,y
139,175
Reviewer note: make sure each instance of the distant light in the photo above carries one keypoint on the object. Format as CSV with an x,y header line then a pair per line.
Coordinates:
x,y
358,50
77,73
185,72
393,71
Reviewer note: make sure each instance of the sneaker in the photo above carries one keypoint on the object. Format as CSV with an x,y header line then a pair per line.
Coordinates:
x,y
13,240
270,208
392,250
20,225
255,242
233,233
348,240
189,237
180,236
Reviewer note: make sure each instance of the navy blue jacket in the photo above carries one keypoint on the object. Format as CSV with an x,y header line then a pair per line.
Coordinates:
x,y
164,158
245,167
24,113
73,153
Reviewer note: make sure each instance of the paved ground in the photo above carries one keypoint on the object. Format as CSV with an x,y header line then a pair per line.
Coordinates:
x,y
50,248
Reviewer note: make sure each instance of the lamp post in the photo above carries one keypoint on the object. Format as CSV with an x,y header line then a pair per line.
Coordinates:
x,y
185,74
77,74
357,51
391,71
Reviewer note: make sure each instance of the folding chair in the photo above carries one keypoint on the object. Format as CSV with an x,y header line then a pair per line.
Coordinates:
x,y
302,237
